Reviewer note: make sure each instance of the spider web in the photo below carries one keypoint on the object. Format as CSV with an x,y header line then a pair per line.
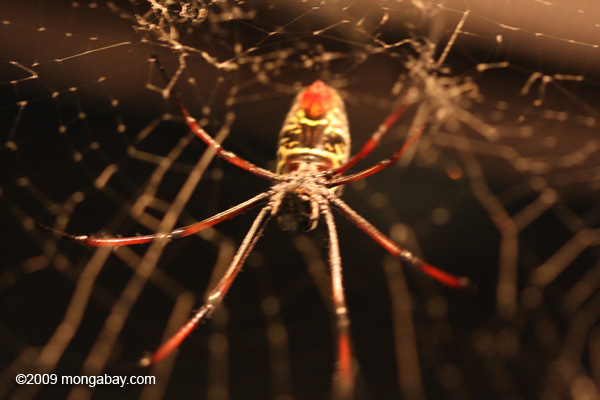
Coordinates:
x,y
503,188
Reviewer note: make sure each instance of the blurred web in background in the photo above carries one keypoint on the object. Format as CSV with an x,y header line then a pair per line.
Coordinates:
x,y
503,187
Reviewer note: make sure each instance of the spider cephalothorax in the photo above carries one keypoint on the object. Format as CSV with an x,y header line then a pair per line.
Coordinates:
x,y
298,211
313,154
297,207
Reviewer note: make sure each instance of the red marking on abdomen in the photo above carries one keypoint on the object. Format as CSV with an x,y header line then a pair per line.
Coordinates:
x,y
316,100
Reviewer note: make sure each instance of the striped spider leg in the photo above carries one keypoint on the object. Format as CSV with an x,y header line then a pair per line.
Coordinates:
x,y
314,145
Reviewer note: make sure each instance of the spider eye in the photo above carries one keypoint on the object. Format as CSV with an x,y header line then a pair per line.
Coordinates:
x,y
298,213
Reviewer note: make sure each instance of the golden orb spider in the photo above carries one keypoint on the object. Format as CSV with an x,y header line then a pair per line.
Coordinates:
x,y
314,145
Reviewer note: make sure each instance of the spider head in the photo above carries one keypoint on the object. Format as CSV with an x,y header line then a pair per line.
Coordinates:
x,y
298,211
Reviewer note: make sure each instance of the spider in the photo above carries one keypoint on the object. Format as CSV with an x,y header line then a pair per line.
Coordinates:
x,y
314,145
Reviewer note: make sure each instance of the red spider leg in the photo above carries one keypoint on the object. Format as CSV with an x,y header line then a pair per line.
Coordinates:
x,y
224,154
373,141
344,379
456,282
218,293
416,130
206,138
176,234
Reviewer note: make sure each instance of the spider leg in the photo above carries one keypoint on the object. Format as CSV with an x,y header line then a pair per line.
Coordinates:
x,y
226,155
176,234
206,138
383,129
218,293
447,279
343,379
415,132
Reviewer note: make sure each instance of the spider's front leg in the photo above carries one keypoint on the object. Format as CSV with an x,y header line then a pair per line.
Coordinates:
x,y
218,293
344,379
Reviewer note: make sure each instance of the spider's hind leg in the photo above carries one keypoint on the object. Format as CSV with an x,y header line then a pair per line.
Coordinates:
x,y
206,138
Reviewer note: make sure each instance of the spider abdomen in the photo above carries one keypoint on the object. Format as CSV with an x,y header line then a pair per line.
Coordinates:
x,y
315,131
